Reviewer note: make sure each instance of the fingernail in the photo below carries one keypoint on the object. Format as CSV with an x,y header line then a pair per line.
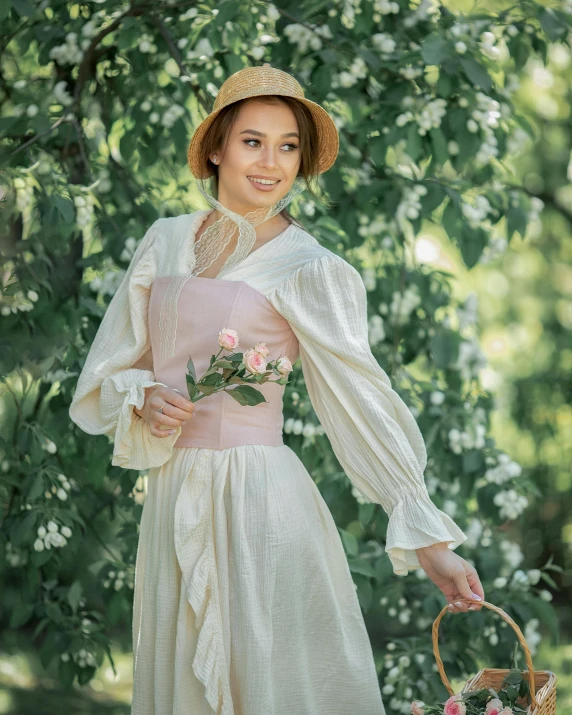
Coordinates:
x,y
471,608
477,598
171,431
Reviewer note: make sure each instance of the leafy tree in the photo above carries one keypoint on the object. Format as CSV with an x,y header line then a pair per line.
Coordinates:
x,y
99,104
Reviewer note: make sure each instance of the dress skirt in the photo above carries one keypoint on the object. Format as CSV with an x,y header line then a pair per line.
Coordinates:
x,y
244,603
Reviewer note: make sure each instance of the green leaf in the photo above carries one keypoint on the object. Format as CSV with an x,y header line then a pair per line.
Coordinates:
x,y
74,595
434,49
213,379
516,221
370,58
115,608
350,542
413,141
433,198
472,244
247,395
23,531
65,208
445,347
525,124
191,370
21,614
23,8
227,10
519,49
233,62
362,567
452,220
54,612
366,512
439,144
66,672
223,363
37,487
4,12
549,580
444,85
364,593
552,24
476,73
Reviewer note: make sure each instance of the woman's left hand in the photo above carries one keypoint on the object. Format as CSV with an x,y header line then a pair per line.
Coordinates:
x,y
452,575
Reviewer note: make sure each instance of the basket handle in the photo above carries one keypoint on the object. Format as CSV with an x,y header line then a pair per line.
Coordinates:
x,y
507,618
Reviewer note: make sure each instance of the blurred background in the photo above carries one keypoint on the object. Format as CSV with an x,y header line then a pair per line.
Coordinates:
x,y
452,194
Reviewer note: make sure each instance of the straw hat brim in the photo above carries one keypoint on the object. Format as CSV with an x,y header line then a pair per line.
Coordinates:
x,y
328,139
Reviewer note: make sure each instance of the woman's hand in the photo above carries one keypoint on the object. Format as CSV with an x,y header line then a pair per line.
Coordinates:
x,y
176,410
454,576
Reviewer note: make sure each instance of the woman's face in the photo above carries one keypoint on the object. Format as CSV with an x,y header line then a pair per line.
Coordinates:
x,y
263,142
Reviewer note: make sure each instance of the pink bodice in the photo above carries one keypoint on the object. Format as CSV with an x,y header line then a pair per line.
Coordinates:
x,y
204,307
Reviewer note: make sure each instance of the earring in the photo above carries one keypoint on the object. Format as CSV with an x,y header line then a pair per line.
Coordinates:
x,y
215,160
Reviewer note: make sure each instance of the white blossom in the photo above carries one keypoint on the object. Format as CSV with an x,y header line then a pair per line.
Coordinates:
x,y
376,330
384,42
403,304
531,634
61,94
69,53
511,503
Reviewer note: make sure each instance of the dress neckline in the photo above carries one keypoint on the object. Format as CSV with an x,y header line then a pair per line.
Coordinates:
x,y
200,217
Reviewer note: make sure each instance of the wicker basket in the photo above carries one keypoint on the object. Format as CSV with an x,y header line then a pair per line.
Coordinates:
x,y
542,683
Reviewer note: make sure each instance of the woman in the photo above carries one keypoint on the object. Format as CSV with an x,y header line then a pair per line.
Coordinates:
x,y
244,603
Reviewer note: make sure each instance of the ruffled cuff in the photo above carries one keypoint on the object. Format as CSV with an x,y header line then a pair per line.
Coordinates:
x,y
414,523
134,445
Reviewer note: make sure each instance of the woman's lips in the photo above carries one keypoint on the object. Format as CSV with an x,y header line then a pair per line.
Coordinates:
x,y
263,187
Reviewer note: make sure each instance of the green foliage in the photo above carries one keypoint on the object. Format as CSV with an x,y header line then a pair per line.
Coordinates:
x,y
99,108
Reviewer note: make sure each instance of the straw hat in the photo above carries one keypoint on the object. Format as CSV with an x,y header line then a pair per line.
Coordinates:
x,y
254,82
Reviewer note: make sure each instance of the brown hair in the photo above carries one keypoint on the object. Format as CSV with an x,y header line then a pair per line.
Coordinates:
x,y
219,131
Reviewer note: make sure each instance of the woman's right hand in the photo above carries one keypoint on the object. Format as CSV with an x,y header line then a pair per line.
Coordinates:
x,y
176,410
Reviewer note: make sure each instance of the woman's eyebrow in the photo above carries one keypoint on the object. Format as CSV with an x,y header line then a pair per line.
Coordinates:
x,y
261,134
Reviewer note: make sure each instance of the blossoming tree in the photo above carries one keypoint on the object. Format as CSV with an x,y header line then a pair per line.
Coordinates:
x,y
99,104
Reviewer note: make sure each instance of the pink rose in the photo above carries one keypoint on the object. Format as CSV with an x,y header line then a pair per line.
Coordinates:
x,y
494,707
254,362
455,706
228,339
283,365
418,707
262,349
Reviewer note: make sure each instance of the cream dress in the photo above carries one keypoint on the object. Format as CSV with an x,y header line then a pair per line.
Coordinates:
x,y
244,602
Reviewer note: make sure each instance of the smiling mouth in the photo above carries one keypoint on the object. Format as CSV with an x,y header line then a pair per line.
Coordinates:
x,y
263,182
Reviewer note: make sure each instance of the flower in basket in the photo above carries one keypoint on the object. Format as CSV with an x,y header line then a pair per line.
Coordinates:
x,y
240,369
494,707
481,701
455,706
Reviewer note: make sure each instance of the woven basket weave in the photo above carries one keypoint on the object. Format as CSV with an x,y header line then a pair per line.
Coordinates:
x,y
542,683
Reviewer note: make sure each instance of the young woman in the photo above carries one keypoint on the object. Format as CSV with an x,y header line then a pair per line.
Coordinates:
x,y
244,602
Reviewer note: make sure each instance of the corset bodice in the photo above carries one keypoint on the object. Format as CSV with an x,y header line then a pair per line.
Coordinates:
x,y
186,314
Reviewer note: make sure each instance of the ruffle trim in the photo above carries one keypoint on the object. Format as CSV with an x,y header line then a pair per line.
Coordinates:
x,y
416,522
194,544
134,445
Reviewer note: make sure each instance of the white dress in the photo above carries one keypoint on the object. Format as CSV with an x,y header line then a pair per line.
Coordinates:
x,y
244,602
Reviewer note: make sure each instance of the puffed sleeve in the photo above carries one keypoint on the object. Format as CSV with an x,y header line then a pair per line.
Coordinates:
x,y
372,431
119,367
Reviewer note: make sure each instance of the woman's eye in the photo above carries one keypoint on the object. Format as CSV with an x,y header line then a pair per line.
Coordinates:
x,y
246,141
